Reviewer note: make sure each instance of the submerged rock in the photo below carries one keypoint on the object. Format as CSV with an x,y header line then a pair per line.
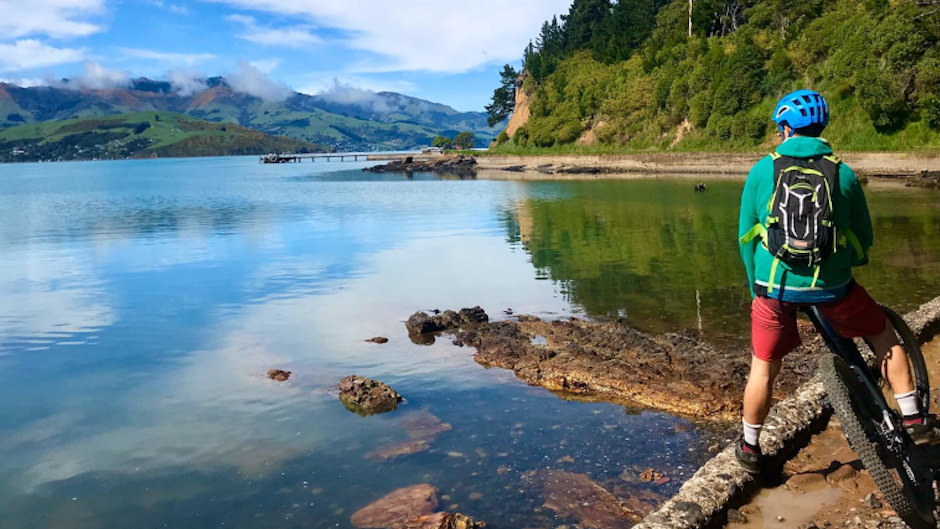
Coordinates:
x,y
399,449
679,373
422,427
278,374
578,496
396,509
650,474
366,396
927,179
443,520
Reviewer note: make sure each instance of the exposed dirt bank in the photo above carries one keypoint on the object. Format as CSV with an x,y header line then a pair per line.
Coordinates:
x,y
825,485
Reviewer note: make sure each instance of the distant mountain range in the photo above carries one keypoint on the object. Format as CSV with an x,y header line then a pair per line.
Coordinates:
x,y
152,134
348,120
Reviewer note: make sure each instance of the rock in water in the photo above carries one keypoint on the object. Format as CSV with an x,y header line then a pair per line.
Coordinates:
x,y
366,396
378,339
422,426
278,374
396,509
459,165
420,324
680,373
443,520
578,496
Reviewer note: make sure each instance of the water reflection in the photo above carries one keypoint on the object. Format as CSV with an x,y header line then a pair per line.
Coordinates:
x,y
666,258
638,249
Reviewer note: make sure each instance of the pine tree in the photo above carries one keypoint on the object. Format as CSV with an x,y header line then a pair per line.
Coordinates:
x,y
504,97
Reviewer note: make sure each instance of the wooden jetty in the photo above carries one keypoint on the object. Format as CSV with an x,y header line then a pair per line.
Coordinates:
x,y
343,157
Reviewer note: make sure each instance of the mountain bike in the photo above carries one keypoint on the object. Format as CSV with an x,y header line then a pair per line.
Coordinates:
x,y
862,400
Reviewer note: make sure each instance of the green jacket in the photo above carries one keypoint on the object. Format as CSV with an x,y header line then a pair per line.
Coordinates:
x,y
852,221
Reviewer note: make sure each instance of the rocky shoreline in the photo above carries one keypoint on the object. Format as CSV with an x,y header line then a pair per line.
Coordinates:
x,y
913,169
677,372
462,165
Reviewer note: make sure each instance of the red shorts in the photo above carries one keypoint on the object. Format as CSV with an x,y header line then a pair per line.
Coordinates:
x,y
773,322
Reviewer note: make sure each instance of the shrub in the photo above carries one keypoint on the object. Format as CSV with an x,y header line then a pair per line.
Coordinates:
x,y
930,110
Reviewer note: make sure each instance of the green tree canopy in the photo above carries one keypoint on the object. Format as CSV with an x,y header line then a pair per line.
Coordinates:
x,y
466,140
443,142
627,72
504,97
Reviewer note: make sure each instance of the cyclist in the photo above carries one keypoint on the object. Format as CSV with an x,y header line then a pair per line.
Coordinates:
x,y
780,289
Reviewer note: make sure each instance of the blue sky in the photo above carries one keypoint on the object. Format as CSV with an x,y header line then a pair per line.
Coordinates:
x,y
444,52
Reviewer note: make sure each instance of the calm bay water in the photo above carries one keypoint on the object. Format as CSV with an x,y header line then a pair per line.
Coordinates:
x,y
142,301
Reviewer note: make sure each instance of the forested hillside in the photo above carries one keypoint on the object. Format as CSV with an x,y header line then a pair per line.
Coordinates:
x,y
627,74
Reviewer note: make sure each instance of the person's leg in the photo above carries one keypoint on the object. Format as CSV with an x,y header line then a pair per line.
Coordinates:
x,y
759,390
773,335
892,358
859,315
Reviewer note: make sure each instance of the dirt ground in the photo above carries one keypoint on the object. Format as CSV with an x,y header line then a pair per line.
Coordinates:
x,y
825,485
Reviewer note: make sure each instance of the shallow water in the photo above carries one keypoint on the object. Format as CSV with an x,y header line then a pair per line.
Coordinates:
x,y
142,301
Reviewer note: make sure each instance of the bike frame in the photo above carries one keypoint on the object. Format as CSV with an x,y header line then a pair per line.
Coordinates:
x,y
848,351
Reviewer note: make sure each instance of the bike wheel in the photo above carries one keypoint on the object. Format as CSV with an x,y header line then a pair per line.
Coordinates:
x,y
885,459
915,360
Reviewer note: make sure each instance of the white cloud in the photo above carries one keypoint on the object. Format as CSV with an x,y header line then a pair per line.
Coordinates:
x,y
331,81
176,9
266,65
187,82
289,37
54,18
425,34
350,95
250,80
175,59
24,82
94,76
30,53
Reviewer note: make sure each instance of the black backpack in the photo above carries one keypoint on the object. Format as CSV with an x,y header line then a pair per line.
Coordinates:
x,y
800,229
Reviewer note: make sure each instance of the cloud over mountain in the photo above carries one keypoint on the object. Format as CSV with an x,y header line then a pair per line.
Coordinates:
x,y
94,76
250,80
187,81
346,94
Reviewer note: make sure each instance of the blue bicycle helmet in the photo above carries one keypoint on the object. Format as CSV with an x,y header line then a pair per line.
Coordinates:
x,y
801,109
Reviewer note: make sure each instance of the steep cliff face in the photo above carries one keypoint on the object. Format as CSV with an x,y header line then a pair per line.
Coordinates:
x,y
520,115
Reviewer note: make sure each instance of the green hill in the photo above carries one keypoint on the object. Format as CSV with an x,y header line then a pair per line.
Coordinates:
x,y
345,118
628,76
138,135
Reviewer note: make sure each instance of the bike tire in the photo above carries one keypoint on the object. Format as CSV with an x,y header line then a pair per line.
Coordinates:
x,y
915,358
855,407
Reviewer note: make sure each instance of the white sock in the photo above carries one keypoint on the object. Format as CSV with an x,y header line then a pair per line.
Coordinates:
x,y
751,432
908,403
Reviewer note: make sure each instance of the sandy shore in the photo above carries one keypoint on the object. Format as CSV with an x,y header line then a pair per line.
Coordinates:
x,y
692,165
